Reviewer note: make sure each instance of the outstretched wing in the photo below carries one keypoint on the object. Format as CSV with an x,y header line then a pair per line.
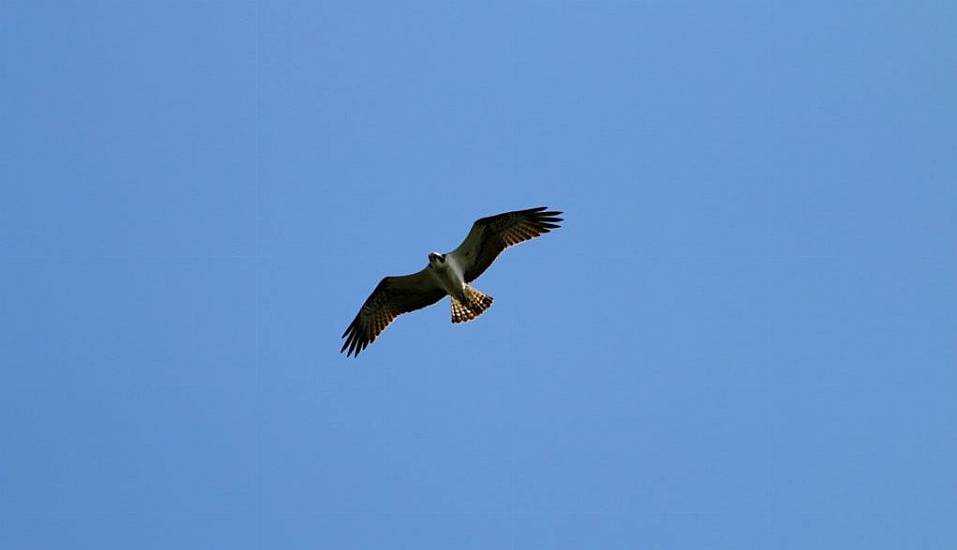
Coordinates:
x,y
392,297
490,236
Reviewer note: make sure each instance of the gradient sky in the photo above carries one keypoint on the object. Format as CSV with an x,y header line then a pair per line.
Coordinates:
x,y
742,337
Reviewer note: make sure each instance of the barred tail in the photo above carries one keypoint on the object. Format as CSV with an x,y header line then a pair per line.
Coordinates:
x,y
477,304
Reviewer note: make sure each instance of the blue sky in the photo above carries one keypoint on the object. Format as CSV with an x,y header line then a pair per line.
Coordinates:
x,y
742,337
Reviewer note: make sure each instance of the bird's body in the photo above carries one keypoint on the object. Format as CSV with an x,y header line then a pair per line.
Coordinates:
x,y
447,274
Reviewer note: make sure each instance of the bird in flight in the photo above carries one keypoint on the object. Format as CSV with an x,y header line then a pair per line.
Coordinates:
x,y
447,274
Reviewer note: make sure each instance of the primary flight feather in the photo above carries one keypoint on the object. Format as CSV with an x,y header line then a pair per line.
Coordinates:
x,y
447,275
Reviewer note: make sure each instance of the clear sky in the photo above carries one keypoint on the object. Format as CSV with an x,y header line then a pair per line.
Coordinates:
x,y
744,336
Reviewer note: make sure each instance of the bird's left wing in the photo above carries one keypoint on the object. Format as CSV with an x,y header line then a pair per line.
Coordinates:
x,y
392,297
490,236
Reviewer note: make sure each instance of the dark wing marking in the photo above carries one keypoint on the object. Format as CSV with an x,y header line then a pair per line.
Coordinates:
x,y
392,297
490,236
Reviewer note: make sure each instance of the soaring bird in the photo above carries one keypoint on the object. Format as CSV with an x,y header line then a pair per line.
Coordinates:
x,y
447,274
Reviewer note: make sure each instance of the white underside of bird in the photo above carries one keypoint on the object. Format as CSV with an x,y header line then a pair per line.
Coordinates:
x,y
449,274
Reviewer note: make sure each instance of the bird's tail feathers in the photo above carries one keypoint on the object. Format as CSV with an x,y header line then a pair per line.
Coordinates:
x,y
477,303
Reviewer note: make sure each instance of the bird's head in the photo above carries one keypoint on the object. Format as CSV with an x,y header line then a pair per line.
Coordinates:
x,y
436,259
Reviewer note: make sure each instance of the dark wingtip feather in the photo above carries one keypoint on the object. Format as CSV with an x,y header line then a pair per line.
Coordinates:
x,y
352,341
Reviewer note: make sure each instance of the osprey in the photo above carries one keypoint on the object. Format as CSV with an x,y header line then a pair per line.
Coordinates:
x,y
447,274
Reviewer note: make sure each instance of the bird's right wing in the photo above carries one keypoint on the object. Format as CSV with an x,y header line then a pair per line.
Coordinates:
x,y
392,297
